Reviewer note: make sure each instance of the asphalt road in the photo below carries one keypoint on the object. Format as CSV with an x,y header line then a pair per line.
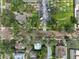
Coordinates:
x,y
44,10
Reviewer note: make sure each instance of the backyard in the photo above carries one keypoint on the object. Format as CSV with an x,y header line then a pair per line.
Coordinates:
x,y
61,13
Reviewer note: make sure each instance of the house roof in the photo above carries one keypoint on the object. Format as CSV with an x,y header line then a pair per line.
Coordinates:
x,y
37,46
5,33
21,18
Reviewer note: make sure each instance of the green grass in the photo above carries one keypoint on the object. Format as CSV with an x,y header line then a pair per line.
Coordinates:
x,y
61,11
65,10
3,2
63,16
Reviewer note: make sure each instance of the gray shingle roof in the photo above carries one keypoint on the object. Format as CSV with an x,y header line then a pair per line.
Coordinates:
x,y
21,18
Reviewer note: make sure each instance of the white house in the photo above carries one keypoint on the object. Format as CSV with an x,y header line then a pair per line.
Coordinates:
x,y
19,56
37,46
61,50
74,53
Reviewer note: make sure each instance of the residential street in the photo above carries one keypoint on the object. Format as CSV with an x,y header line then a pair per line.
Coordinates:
x,y
45,11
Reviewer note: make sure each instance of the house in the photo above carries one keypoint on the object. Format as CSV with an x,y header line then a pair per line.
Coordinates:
x,y
61,50
19,56
21,18
19,51
37,46
74,53
5,33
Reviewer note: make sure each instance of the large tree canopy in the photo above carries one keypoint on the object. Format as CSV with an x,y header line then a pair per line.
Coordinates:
x,y
8,19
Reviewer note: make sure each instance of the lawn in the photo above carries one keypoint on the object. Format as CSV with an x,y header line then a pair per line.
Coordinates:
x,y
3,2
61,11
65,10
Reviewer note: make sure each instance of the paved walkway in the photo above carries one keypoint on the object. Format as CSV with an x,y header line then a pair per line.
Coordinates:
x,y
49,52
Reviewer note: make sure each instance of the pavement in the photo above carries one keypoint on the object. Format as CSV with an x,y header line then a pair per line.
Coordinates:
x,y
49,52
44,10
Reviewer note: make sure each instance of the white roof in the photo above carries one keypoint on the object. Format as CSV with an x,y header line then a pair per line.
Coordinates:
x,y
37,46
21,18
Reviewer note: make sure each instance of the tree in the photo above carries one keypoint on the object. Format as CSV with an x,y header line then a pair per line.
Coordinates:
x,y
9,45
73,19
42,53
8,18
29,8
15,4
53,10
68,28
66,38
19,5
34,20
52,23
